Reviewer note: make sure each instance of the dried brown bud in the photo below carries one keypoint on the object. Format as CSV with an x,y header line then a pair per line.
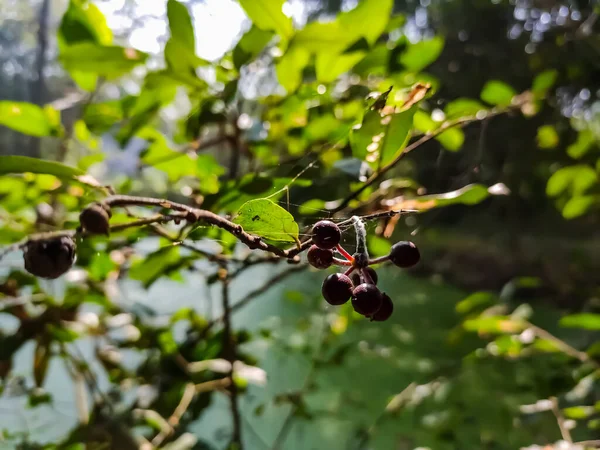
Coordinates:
x,y
95,219
49,258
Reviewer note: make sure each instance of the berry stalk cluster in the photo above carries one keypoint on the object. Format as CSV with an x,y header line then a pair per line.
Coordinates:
x,y
358,283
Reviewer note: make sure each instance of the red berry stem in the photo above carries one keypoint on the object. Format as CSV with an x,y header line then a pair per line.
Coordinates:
x,y
344,253
379,260
367,276
349,271
341,262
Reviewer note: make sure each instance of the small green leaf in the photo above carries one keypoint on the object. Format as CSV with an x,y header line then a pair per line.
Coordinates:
x,y
30,119
268,15
180,25
250,45
543,82
83,21
578,412
369,19
494,324
291,66
470,194
473,301
268,220
579,178
108,61
497,93
24,164
579,148
588,321
547,137
421,54
397,134
577,206
155,265
378,246
463,107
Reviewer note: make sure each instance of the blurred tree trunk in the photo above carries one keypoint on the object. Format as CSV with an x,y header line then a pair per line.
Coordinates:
x,y
38,89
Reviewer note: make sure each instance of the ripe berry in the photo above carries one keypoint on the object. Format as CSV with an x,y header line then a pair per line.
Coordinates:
x,y
405,254
319,257
366,299
386,309
94,219
357,277
337,289
326,234
49,258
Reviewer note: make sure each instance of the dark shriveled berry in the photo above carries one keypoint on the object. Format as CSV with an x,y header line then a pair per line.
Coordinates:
x,y
405,254
49,258
385,310
94,219
366,299
337,289
326,234
319,258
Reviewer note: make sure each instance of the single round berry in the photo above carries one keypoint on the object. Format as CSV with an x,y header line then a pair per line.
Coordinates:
x,y
358,278
326,234
337,289
49,258
366,299
385,310
94,219
319,257
405,254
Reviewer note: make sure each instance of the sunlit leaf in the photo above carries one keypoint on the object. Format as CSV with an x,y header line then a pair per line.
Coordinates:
x,y
250,45
268,220
30,119
578,206
463,107
24,164
180,25
585,141
588,321
369,19
108,61
497,93
494,324
543,82
268,15
547,137
291,66
419,55
578,412
579,178
475,300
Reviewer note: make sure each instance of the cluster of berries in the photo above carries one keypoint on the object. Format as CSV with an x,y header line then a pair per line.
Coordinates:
x,y
359,282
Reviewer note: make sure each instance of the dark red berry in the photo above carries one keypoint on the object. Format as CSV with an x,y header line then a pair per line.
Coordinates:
x,y
366,299
404,254
357,277
319,257
326,234
337,289
49,258
386,309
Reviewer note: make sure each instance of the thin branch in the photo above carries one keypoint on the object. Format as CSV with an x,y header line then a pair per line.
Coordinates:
x,y
463,121
186,399
560,420
560,344
230,353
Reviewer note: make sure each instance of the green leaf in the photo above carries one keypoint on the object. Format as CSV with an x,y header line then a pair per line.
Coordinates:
x,y
452,139
250,45
155,265
107,61
369,19
41,358
83,21
463,107
268,15
330,65
494,324
291,66
543,82
547,137
497,93
421,54
180,25
579,178
208,171
588,321
585,141
24,164
475,300
397,134
30,119
578,206
378,246
268,220
578,412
